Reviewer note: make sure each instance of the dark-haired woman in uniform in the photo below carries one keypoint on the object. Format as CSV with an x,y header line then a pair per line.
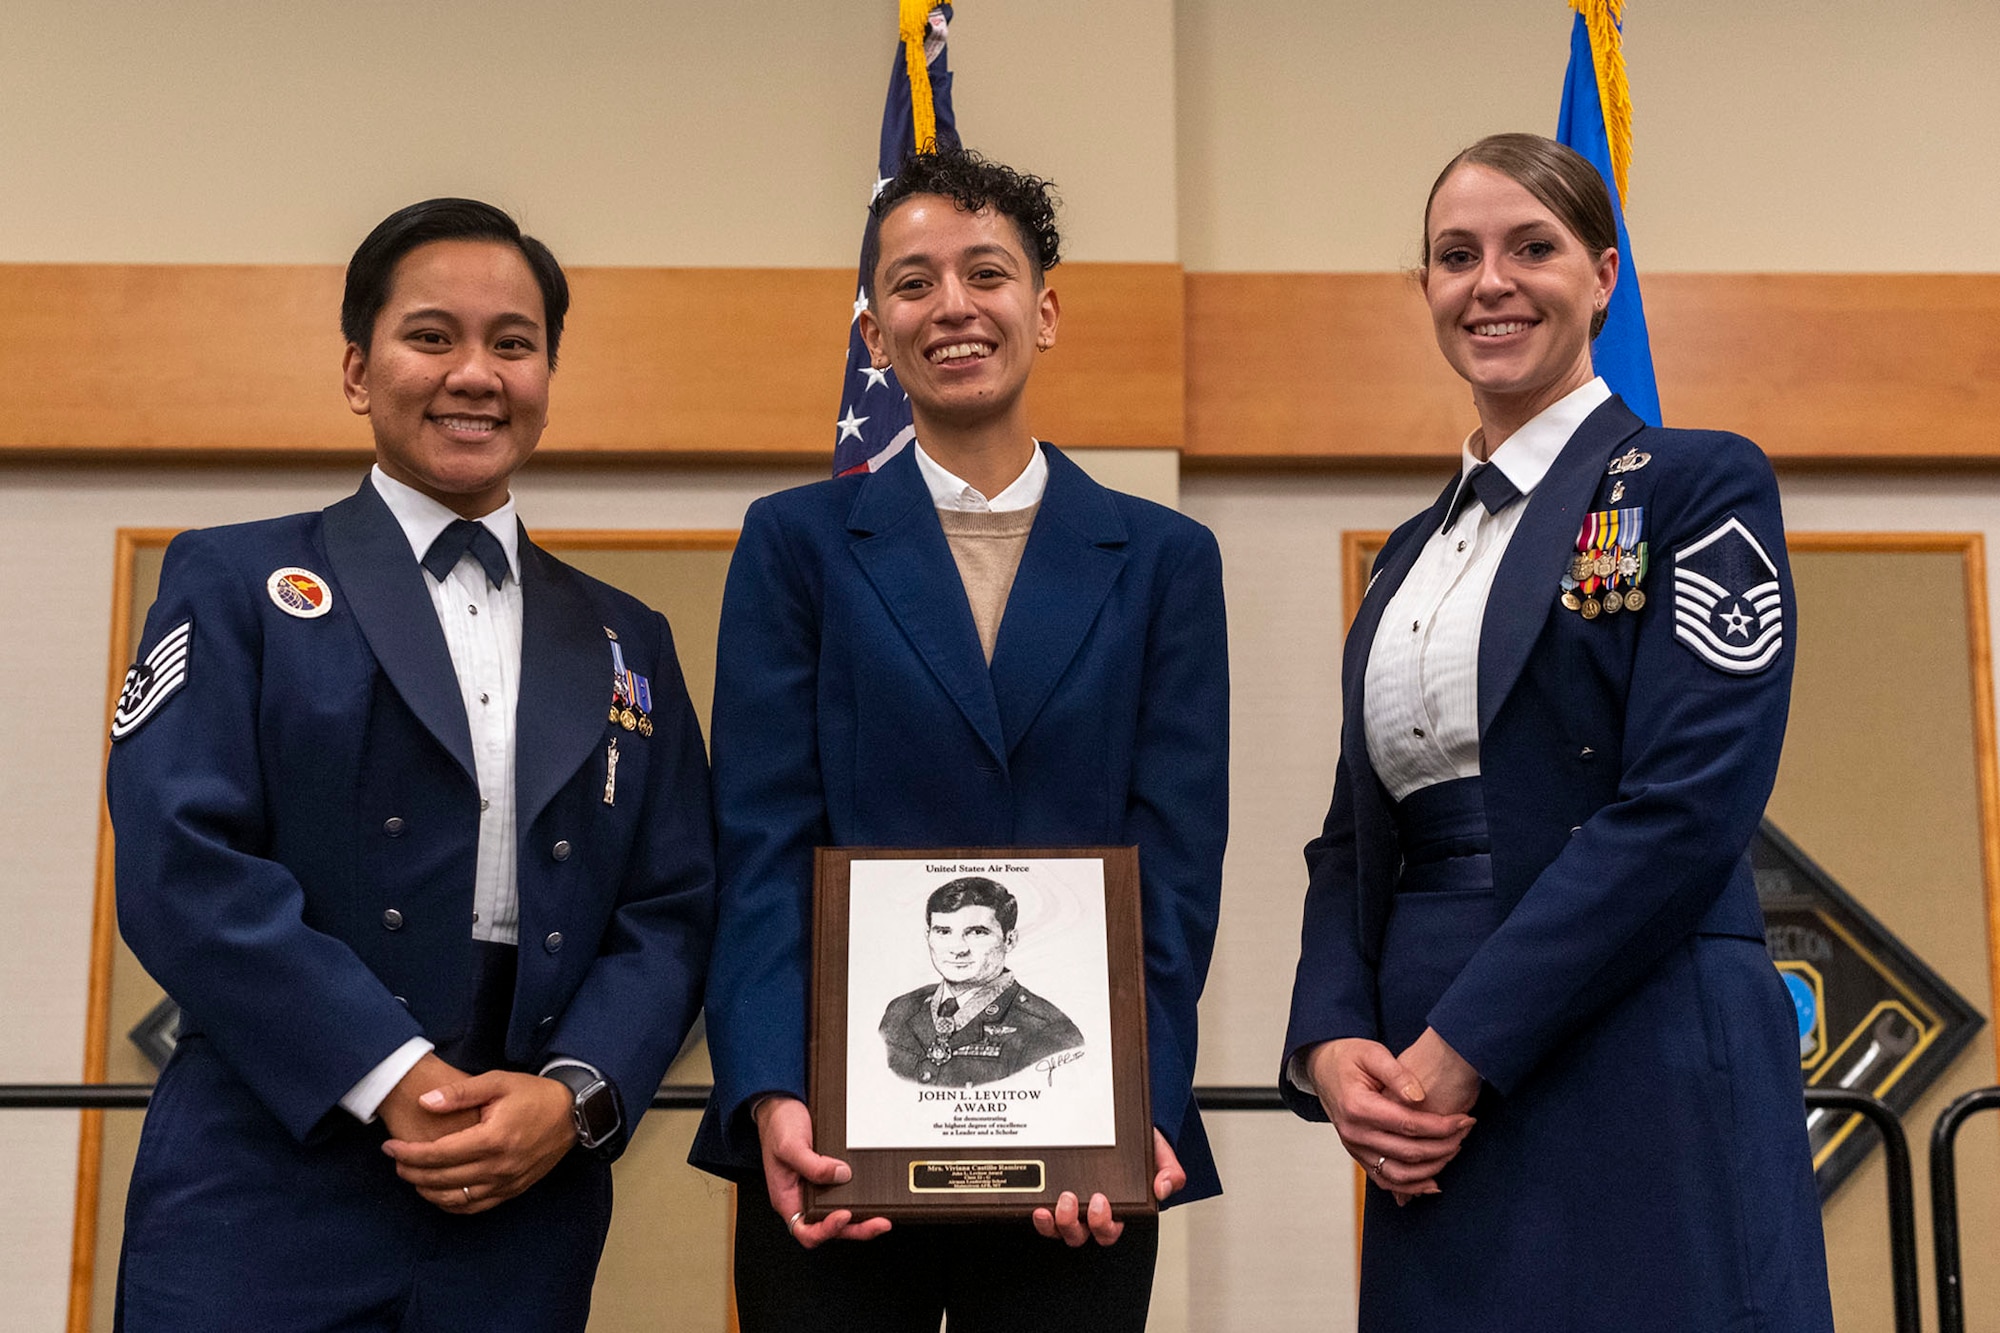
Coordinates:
x,y
973,645
1533,996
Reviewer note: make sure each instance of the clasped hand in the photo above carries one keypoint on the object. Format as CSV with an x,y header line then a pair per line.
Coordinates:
x,y
784,1130
470,1143
1402,1118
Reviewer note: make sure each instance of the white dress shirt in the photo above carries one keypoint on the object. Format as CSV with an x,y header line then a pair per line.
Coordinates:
x,y
482,630
949,491
1420,699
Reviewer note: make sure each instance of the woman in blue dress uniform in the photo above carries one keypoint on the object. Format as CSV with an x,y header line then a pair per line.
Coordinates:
x,y
1533,996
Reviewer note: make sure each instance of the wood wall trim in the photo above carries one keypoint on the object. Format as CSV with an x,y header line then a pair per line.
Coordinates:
x,y
236,362
1817,368
241,361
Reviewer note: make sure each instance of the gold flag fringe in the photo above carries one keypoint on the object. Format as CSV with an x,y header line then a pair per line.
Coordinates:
x,y
913,23
1614,94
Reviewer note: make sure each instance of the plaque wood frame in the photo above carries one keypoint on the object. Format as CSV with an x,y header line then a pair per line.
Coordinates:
x,y
981,1181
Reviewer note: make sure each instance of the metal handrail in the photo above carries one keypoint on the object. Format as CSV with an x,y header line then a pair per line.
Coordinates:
x,y
1902,1195
1896,1151
673,1097
1944,1203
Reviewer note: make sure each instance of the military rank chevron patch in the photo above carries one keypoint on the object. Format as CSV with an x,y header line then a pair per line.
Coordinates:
x,y
152,681
1728,608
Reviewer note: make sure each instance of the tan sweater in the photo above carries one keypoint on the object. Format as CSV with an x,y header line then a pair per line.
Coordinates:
x,y
988,550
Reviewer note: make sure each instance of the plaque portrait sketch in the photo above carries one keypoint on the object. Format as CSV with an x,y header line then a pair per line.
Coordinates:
x,y
1004,1037
977,1023
979,1030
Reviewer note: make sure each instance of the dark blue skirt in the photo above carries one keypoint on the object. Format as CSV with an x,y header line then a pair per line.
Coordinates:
x,y
1651,1175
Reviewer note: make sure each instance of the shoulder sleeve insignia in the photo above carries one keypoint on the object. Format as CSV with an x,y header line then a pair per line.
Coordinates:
x,y
1728,608
152,681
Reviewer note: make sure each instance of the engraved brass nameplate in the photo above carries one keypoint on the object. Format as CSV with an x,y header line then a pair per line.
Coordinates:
x,y
976,1177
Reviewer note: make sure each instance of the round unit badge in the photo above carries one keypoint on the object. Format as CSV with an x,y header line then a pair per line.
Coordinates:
x,y
300,592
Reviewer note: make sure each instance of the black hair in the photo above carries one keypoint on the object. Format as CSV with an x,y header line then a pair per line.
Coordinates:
x,y
375,260
972,182
975,891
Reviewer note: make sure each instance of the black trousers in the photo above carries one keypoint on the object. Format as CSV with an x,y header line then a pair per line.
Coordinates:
x,y
984,1277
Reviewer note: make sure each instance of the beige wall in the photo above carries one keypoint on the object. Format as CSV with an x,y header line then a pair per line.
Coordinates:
x,y
215,131
1844,135
1230,134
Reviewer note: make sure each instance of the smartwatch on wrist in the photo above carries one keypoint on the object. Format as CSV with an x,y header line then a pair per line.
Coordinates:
x,y
593,1105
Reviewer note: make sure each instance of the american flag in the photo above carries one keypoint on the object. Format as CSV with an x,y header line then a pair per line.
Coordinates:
x,y
874,418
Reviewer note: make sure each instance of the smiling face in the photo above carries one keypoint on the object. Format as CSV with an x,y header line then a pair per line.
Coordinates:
x,y
968,947
455,381
1512,292
958,311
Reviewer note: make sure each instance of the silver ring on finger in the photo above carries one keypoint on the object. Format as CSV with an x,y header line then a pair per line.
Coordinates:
x,y
1380,1162
466,1190
792,1222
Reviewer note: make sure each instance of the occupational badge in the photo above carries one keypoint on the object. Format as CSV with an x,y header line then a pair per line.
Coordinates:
x,y
299,592
153,679
1728,607
1603,576
1629,461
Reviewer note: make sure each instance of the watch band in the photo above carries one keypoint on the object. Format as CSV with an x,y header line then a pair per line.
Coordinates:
x,y
594,1105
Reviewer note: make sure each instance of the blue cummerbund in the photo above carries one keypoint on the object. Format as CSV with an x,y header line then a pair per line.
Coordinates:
x,y
1442,832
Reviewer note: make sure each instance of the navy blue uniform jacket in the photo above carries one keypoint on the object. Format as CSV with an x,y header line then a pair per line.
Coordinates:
x,y
1640,1160
315,774
854,707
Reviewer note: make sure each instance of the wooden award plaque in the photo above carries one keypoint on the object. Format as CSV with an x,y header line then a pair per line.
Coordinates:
x,y
979,1031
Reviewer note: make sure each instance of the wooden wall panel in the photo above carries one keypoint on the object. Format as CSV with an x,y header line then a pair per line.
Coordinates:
x,y
1817,368
1317,368
240,360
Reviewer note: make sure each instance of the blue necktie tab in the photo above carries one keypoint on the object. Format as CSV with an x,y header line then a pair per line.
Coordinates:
x,y
462,535
1490,484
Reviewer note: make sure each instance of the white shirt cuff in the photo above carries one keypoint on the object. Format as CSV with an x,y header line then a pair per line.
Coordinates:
x,y
1295,1072
365,1098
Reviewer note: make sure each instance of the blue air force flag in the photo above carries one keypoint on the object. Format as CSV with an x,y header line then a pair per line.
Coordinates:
x,y
874,419
1728,608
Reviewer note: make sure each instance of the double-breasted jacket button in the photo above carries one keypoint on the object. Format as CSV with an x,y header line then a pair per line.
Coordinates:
x,y
394,826
561,850
1575,829
553,941
392,920
400,1000
546,1023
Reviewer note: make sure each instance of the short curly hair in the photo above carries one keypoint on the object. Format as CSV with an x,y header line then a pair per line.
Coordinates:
x,y
972,182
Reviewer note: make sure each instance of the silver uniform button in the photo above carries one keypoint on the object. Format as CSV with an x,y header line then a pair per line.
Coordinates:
x,y
554,942
394,826
561,850
392,920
